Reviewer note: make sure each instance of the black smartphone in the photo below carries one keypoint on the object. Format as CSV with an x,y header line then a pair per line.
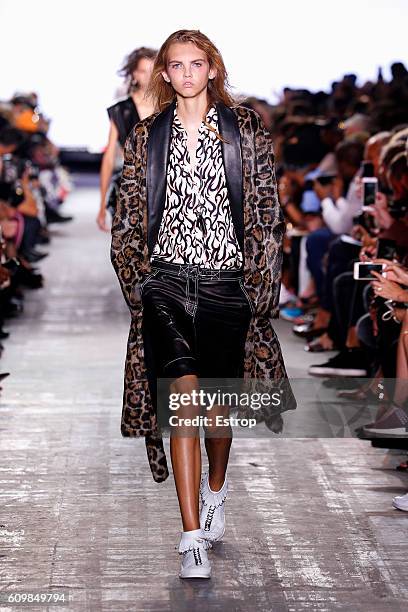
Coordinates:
x,y
370,188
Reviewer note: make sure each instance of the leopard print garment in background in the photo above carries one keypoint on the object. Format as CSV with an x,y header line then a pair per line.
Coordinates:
x,y
197,226
263,236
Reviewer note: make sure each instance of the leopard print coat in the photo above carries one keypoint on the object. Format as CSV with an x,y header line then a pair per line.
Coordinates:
x,y
263,237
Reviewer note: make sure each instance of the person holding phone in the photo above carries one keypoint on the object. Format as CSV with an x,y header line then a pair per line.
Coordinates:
x,y
197,246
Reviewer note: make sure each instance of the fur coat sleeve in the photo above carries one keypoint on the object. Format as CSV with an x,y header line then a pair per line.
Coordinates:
x,y
129,254
263,216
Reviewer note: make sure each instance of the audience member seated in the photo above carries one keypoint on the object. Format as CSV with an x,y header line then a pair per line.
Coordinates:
x,y
33,185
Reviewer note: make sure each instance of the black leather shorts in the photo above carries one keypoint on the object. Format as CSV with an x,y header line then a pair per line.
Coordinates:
x,y
196,320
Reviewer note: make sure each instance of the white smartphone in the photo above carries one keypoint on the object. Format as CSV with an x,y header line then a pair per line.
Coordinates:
x,y
362,270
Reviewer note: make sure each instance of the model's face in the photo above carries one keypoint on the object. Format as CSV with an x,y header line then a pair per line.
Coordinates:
x,y
188,69
143,72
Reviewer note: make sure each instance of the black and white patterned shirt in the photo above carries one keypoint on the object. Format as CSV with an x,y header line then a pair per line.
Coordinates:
x,y
196,227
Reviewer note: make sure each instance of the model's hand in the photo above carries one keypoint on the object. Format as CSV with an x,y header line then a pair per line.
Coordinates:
x,y
101,220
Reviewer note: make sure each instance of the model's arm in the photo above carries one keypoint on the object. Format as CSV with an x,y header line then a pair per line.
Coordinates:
x,y
270,222
107,165
127,233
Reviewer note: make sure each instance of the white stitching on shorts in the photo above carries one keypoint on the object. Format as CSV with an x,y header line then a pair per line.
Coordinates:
x,y
245,292
177,358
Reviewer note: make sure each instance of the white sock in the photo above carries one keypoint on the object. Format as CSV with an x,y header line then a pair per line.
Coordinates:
x,y
194,533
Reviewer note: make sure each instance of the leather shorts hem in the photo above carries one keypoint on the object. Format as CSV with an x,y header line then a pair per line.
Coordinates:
x,y
180,366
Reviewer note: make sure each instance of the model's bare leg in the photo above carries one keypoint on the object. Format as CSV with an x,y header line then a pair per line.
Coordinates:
x,y
218,442
186,456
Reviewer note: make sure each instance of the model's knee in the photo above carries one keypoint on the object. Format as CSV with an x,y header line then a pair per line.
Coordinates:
x,y
184,384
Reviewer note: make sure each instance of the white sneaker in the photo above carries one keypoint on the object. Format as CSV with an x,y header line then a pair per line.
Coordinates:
x,y
195,563
401,502
212,515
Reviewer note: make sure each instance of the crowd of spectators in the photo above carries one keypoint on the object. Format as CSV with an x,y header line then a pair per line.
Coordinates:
x,y
341,160
33,185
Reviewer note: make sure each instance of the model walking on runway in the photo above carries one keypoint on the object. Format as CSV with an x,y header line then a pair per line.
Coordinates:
x,y
197,247
123,116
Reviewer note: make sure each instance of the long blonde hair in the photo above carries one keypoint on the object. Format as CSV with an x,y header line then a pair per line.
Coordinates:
x,y
218,88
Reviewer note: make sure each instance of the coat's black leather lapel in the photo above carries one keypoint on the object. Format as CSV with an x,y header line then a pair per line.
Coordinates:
x,y
158,145
229,129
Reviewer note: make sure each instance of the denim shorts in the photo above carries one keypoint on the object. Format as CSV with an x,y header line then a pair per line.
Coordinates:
x,y
195,320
